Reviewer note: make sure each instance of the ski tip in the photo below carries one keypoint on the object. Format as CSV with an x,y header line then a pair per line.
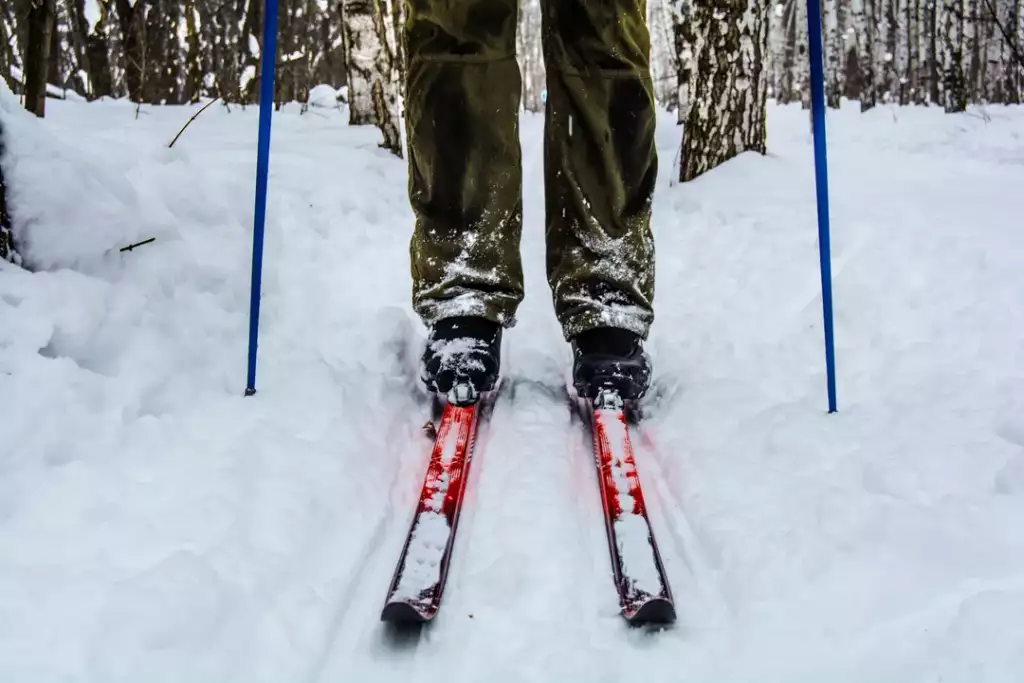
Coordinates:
x,y
657,610
405,613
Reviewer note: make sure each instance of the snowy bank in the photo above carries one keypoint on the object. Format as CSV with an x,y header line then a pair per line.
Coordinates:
x,y
69,209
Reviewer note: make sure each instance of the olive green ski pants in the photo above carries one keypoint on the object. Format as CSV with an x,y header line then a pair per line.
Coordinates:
x,y
463,92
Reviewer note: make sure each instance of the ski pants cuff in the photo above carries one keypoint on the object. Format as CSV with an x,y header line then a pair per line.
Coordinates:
x,y
497,307
593,315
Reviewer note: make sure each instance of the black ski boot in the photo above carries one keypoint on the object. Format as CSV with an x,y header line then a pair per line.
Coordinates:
x,y
609,358
462,358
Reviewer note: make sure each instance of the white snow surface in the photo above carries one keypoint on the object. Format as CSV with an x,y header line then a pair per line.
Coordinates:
x,y
158,526
325,96
423,561
632,533
632,538
431,531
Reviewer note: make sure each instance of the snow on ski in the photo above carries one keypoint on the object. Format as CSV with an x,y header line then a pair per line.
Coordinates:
x,y
419,580
644,593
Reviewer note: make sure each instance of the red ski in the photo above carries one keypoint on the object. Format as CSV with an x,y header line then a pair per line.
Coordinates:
x,y
644,593
419,580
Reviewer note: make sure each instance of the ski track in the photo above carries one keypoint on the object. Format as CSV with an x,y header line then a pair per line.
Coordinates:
x,y
160,527
355,605
683,551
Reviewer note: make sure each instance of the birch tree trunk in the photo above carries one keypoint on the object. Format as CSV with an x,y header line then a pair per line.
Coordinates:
x,y
1013,59
385,87
867,40
663,71
922,72
833,58
910,67
953,57
802,69
193,71
887,78
991,53
397,10
531,59
681,13
786,87
362,47
934,64
725,83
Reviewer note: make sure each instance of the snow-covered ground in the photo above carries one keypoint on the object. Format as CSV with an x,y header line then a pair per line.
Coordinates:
x,y
157,526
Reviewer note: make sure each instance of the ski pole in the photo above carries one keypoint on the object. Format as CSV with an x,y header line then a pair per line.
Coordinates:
x,y
821,177
268,59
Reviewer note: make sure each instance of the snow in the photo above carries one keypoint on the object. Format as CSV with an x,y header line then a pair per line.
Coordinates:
x,y
423,562
462,352
431,532
632,533
159,526
52,90
324,95
632,539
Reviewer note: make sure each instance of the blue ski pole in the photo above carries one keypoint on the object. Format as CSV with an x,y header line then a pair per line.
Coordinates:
x,y
268,59
821,175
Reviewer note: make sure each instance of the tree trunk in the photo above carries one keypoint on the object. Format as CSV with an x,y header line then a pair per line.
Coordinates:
x,y
7,44
385,89
193,72
891,74
7,252
397,44
934,69
725,86
531,62
53,73
955,82
78,32
681,11
867,40
832,31
666,91
98,49
130,15
908,78
786,88
362,47
40,30
1013,60
803,56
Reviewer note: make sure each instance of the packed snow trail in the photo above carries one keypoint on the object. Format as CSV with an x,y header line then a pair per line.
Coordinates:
x,y
158,526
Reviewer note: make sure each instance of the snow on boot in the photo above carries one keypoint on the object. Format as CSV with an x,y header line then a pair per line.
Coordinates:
x,y
610,358
462,358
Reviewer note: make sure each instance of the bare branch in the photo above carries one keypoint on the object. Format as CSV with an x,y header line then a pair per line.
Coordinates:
x,y
194,117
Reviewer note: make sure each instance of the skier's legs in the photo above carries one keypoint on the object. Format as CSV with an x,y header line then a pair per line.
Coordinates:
x,y
600,164
462,101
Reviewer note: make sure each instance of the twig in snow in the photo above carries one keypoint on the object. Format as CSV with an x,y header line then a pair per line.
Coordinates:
x,y
190,121
137,244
